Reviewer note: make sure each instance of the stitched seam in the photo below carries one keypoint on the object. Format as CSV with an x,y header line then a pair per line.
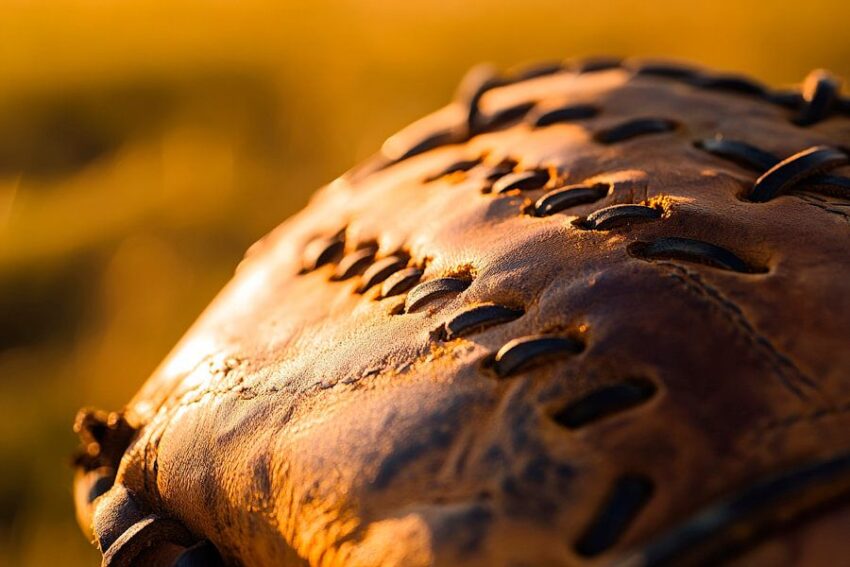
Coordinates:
x,y
824,207
775,426
245,393
787,372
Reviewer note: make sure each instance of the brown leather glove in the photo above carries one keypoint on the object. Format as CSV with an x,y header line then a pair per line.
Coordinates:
x,y
585,314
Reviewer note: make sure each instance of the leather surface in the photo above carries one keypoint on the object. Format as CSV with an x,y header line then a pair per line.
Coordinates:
x,y
302,422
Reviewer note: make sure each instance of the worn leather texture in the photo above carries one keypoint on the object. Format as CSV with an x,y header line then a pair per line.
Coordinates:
x,y
652,369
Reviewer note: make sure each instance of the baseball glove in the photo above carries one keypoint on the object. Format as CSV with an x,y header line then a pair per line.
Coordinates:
x,y
588,313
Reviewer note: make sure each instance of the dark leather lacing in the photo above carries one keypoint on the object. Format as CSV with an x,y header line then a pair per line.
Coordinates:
x,y
805,169
818,100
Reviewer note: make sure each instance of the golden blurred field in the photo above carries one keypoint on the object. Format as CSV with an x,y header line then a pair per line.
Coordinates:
x,y
144,145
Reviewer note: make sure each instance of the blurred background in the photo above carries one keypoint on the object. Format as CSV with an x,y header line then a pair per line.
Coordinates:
x,y
144,145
